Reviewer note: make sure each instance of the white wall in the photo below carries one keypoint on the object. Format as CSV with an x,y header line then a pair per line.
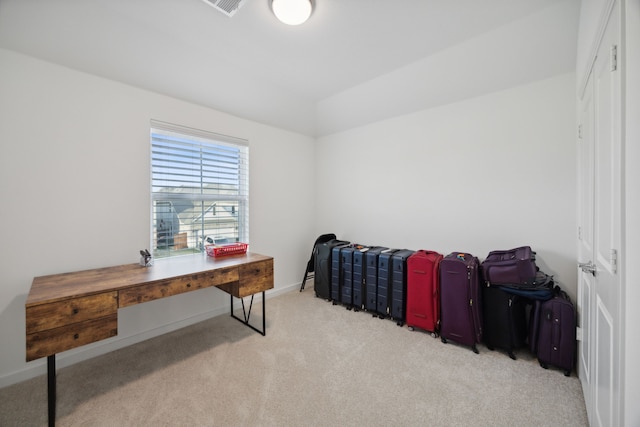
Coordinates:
x,y
492,172
75,186
507,56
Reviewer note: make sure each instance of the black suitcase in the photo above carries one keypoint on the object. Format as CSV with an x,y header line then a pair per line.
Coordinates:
x,y
398,306
460,300
383,291
371,287
311,264
322,267
504,320
534,326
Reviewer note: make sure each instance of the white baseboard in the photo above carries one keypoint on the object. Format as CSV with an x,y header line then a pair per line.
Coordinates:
x,y
68,358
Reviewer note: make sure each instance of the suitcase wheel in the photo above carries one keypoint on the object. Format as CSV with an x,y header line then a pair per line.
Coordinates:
x,y
443,339
544,365
511,355
567,373
349,307
335,303
381,316
399,323
434,335
490,347
411,328
475,349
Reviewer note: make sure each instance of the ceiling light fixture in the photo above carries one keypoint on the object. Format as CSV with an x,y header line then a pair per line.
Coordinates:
x,y
292,12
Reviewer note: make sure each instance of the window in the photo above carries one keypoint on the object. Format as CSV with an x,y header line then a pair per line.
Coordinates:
x,y
199,189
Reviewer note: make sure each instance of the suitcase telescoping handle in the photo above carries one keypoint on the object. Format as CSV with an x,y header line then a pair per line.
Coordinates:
x,y
426,252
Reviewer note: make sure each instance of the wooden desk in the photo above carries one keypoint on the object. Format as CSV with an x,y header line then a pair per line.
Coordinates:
x,y
69,310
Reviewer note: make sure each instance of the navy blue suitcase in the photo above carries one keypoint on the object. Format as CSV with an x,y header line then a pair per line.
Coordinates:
x,y
360,277
371,286
349,282
346,284
383,291
336,272
398,306
322,261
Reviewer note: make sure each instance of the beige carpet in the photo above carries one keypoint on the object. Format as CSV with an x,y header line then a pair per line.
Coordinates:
x,y
319,365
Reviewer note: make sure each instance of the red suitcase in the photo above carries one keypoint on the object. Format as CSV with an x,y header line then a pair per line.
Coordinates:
x,y
423,291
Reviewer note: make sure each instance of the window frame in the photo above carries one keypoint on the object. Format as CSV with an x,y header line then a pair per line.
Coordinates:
x,y
238,192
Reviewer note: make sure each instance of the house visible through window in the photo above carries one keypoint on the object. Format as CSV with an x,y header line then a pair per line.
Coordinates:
x,y
199,189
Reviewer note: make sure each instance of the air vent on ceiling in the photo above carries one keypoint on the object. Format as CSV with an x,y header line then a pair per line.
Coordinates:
x,y
228,7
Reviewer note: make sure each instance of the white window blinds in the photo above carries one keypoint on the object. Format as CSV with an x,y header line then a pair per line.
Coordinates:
x,y
200,189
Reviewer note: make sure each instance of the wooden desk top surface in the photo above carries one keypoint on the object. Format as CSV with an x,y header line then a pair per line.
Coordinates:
x,y
58,287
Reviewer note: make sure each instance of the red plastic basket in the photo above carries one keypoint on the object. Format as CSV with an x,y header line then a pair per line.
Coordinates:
x,y
230,249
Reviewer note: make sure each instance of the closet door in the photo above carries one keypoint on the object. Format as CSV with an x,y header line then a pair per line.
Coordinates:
x,y
599,305
586,251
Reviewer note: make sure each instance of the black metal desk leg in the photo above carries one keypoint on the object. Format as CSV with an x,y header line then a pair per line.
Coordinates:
x,y
51,388
247,314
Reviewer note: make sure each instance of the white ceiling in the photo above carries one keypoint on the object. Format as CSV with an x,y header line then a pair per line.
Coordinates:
x,y
251,65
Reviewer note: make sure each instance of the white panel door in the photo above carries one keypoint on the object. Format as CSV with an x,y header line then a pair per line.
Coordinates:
x,y
586,227
599,238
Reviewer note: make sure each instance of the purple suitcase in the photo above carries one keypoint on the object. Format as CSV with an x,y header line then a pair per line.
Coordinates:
x,y
460,304
555,337
510,267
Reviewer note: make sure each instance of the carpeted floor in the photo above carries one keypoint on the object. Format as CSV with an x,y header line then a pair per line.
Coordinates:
x,y
318,365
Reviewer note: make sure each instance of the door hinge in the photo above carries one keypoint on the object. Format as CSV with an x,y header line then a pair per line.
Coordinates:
x,y
614,57
579,131
579,233
614,261
578,333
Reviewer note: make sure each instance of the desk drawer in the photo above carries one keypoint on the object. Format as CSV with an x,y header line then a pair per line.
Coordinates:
x,y
170,287
254,278
52,341
56,314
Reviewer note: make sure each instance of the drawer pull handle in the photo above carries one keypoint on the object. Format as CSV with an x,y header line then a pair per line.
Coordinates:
x,y
75,311
76,336
188,285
